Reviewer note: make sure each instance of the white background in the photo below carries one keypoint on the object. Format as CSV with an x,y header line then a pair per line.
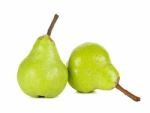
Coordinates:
x,y
121,26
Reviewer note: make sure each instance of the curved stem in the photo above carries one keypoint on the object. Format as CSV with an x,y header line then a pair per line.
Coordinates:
x,y
130,95
52,24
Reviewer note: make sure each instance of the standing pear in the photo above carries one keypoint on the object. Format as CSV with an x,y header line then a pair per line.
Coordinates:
x,y
42,73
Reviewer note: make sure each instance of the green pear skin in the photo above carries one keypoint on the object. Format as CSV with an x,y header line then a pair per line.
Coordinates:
x,y
90,68
42,73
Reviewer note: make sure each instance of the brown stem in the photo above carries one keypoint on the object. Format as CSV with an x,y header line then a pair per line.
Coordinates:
x,y
52,24
132,96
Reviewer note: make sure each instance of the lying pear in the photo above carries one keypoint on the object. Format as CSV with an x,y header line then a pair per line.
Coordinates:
x,y
42,73
90,68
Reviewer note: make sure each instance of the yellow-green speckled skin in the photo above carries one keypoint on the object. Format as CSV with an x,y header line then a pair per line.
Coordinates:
x,y
90,68
42,72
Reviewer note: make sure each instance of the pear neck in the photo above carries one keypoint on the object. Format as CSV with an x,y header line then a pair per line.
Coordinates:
x,y
44,48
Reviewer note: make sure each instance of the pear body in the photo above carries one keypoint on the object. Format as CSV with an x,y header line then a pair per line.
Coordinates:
x,y
42,73
90,68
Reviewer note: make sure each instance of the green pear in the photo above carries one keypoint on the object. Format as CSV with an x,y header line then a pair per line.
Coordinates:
x,y
42,73
90,68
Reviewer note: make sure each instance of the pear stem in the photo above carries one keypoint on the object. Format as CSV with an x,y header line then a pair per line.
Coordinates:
x,y
52,25
130,95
